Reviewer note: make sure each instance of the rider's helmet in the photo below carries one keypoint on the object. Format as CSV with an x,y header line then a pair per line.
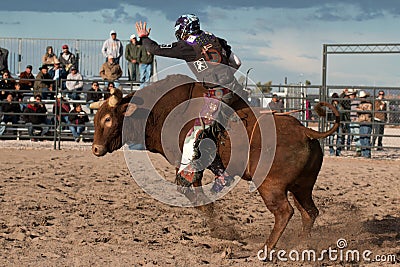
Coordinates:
x,y
186,25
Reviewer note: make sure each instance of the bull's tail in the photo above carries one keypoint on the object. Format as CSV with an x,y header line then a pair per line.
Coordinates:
x,y
321,112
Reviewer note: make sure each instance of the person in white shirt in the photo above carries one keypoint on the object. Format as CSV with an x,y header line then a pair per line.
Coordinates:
x,y
112,47
74,84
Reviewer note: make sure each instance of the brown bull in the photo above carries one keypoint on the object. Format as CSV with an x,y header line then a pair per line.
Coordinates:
x,y
294,168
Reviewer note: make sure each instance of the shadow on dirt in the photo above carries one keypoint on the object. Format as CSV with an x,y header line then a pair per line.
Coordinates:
x,y
387,229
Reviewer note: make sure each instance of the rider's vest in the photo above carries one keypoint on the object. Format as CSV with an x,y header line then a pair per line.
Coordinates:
x,y
211,63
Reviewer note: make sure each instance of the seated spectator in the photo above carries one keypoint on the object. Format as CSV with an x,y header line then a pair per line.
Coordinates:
x,y
26,78
65,109
77,118
93,95
7,84
19,96
43,84
110,71
67,59
49,57
9,107
58,74
35,114
108,89
74,84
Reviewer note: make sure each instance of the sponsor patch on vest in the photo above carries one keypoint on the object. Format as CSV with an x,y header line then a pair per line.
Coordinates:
x,y
200,65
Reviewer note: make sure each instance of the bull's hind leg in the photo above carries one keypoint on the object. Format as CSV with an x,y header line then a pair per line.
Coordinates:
x,y
275,198
309,212
302,189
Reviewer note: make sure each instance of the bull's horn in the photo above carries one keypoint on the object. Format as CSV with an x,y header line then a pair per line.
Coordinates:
x,y
96,105
115,98
113,101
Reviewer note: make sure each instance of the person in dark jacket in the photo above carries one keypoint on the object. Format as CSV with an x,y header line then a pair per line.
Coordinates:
x,y
3,59
7,83
93,95
77,118
36,114
26,78
8,108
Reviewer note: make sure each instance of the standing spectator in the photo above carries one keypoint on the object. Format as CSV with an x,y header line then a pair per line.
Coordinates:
x,y
275,104
43,84
110,71
364,111
65,109
354,125
58,74
345,102
93,95
67,59
145,66
77,118
7,83
34,115
380,118
74,83
112,47
3,60
49,57
26,78
132,57
8,109
339,132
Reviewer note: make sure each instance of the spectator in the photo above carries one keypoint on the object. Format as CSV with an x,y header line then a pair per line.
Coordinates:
x,y
145,66
339,132
43,84
345,102
26,78
19,96
49,57
107,94
364,111
3,60
67,59
7,83
112,47
110,71
58,74
276,105
380,118
74,83
62,115
35,115
93,95
132,57
8,108
354,125
77,118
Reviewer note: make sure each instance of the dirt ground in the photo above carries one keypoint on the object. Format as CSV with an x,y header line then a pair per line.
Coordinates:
x,y
69,208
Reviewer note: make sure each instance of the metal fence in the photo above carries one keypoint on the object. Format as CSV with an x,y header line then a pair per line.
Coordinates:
x,y
295,97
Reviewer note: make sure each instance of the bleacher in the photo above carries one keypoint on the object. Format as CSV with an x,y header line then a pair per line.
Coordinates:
x,y
56,131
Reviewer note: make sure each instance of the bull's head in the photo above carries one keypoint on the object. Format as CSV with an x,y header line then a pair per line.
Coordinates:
x,y
108,123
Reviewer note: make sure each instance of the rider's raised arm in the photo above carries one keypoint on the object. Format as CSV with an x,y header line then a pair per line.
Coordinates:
x,y
179,50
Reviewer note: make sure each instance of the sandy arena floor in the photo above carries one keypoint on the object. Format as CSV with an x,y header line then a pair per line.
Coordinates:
x,y
69,208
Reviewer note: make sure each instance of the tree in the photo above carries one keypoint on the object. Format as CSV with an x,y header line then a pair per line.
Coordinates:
x,y
265,88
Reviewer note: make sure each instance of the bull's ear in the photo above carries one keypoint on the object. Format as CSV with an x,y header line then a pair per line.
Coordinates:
x,y
128,109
